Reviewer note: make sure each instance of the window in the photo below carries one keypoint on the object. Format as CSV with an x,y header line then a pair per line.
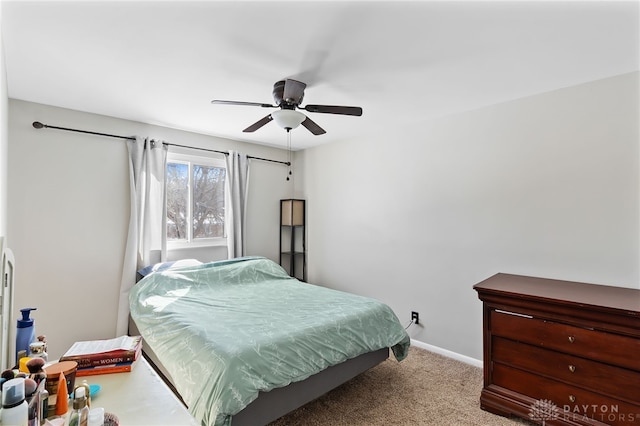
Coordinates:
x,y
195,200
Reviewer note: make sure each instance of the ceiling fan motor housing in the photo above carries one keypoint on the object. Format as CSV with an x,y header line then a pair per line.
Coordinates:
x,y
292,101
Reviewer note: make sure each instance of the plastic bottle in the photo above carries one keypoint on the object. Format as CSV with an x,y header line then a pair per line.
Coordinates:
x,y
96,416
37,350
14,406
26,333
80,413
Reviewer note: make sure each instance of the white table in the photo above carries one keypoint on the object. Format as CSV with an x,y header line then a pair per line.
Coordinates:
x,y
139,397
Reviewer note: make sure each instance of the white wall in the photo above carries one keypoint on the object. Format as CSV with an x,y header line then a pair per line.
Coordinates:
x,y
68,214
545,186
4,108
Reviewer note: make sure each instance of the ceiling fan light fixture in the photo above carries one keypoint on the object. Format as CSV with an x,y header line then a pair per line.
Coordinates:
x,y
287,118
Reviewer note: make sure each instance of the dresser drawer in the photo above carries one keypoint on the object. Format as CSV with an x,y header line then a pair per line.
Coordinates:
x,y
586,343
572,403
602,378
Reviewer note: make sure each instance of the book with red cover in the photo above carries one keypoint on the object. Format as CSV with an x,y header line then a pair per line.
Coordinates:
x,y
93,353
121,367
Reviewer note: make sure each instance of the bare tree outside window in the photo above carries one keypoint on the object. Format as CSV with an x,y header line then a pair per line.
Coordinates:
x,y
196,198
208,201
177,187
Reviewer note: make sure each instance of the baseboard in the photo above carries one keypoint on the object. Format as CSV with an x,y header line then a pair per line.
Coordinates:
x,y
447,353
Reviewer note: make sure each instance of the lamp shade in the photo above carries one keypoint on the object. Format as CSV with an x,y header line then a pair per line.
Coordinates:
x,y
288,118
292,212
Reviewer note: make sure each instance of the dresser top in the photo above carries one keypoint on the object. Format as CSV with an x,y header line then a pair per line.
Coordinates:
x,y
619,298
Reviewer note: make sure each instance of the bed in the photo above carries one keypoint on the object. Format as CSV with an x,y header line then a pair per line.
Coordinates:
x,y
244,343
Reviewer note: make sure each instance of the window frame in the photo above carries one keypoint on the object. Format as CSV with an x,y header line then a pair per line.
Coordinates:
x,y
199,160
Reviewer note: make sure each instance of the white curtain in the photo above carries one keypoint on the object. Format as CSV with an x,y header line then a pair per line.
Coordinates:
x,y
238,182
146,241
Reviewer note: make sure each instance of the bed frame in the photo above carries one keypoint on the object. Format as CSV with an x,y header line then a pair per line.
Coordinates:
x,y
274,404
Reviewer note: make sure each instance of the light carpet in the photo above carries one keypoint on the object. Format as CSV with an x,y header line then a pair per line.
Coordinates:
x,y
424,389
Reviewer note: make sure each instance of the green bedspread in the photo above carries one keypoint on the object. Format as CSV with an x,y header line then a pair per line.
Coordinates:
x,y
227,330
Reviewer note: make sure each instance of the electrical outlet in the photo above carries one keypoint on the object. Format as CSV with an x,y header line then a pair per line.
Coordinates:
x,y
415,317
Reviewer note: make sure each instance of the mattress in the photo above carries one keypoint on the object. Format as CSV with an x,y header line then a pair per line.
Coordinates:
x,y
227,330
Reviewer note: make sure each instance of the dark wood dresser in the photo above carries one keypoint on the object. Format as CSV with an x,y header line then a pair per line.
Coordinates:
x,y
560,352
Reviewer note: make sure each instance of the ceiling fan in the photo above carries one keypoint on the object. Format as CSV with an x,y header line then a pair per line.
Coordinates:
x,y
288,95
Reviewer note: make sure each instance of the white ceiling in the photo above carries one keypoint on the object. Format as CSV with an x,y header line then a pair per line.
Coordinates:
x,y
402,62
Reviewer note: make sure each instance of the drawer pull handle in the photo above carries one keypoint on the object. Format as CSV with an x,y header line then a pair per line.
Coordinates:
x,y
572,368
572,398
572,339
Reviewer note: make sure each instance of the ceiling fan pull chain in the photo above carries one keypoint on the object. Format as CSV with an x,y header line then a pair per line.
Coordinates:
x,y
289,150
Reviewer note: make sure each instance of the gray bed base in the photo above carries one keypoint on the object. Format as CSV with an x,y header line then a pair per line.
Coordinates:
x,y
274,404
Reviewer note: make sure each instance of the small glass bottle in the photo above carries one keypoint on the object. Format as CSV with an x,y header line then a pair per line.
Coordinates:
x,y
80,414
44,405
87,392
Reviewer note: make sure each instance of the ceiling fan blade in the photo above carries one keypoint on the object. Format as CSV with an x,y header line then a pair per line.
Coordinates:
x,y
255,126
313,127
334,109
293,91
221,102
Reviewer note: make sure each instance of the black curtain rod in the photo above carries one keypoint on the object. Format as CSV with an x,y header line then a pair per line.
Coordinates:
x,y
39,125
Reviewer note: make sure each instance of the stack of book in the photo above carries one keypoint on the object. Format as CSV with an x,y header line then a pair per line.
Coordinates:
x,y
117,355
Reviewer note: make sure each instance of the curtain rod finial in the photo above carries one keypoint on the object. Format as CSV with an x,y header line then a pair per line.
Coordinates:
x,y
38,125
